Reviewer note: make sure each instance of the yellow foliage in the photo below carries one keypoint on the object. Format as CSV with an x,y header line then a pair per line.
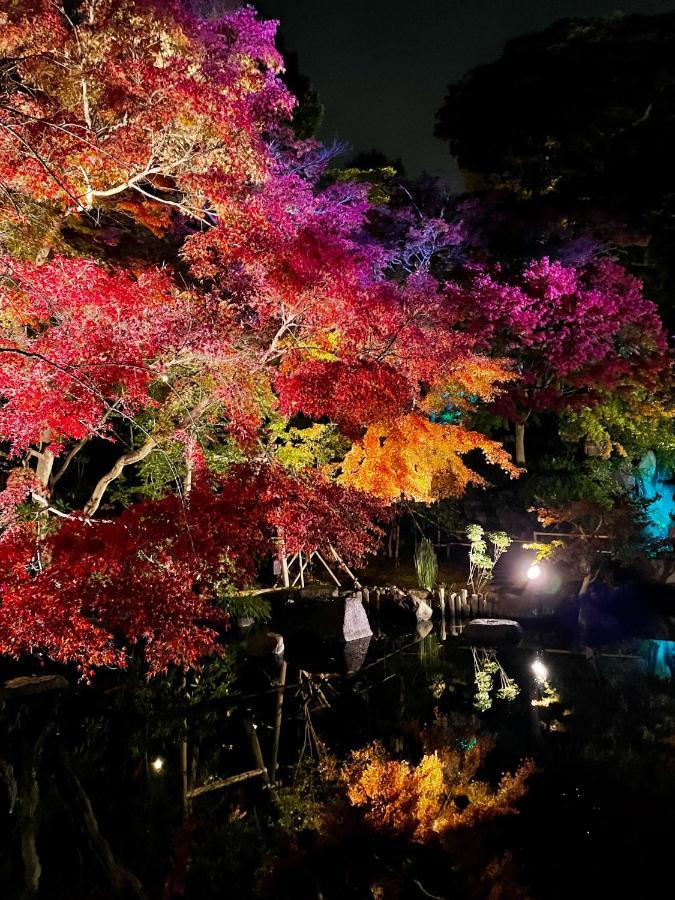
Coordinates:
x,y
420,460
395,795
418,801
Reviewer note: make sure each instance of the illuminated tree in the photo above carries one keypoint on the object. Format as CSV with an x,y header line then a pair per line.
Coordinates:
x,y
574,335
186,307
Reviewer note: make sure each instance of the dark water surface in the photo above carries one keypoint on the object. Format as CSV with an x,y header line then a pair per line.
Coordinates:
x,y
97,774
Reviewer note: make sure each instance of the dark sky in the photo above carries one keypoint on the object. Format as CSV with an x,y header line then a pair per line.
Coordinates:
x,y
382,66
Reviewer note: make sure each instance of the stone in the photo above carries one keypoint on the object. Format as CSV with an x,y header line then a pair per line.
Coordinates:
x,y
420,594
355,653
265,643
26,685
407,606
423,629
355,624
311,592
329,619
492,632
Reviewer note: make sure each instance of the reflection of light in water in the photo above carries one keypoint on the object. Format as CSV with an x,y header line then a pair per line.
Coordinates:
x,y
661,659
652,484
539,670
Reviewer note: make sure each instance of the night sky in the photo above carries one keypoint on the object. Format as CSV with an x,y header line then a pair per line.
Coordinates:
x,y
381,66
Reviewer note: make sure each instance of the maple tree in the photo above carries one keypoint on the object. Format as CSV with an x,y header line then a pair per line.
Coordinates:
x,y
574,334
199,335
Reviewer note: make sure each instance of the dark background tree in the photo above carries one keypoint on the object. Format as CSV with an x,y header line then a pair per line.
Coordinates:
x,y
580,117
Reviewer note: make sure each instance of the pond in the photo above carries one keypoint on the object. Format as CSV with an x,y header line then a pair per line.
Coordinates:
x,y
242,782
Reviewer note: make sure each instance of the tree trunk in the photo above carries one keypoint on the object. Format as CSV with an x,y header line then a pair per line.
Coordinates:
x,y
45,464
29,801
122,880
585,584
134,456
520,443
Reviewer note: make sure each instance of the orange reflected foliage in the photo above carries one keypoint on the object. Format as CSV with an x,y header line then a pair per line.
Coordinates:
x,y
417,802
420,460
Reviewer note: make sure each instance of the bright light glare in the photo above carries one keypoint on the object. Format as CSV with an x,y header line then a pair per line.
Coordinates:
x,y
539,670
534,571
157,764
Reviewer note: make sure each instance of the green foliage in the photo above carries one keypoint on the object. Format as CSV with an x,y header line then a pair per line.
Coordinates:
x,y
247,606
302,804
379,178
543,551
630,428
564,479
486,667
298,448
426,564
481,560
227,854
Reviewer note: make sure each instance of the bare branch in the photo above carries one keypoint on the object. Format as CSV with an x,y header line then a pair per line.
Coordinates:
x,y
134,456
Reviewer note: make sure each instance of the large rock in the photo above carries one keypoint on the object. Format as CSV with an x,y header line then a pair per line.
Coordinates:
x,y
418,610
265,643
492,632
355,653
406,606
423,629
420,594
329,619
355,624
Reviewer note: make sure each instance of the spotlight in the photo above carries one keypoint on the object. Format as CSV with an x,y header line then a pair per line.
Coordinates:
x,y
539,670
157,765
534,571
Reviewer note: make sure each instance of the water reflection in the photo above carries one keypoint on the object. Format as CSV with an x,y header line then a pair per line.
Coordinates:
x,y
177,787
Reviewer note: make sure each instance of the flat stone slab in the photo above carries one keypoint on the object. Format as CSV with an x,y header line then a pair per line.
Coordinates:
x,y
490,632
26,685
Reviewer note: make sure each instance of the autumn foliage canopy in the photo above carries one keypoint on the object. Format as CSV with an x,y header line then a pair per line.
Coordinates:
x,y
185,297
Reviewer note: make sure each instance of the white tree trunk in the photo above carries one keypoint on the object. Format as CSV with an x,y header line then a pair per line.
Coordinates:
x,y
520,443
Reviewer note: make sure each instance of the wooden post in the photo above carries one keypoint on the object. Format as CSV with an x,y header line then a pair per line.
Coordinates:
x,y
257,752
464,595
284,565
342,564
366,596
278,715
184,771
185,784
327,568
453,604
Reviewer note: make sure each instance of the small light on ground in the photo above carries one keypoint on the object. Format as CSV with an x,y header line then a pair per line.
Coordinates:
x,y
539,670
534,571
157,764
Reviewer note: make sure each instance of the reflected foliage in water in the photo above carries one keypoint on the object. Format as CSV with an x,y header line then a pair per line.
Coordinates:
x,y
387,782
